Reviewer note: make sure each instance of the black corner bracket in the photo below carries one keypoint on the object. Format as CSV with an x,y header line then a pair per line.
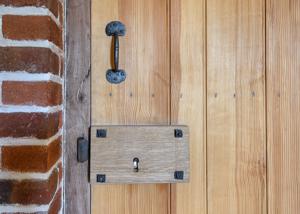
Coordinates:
x,y
101,133
179,175
178,133
101,178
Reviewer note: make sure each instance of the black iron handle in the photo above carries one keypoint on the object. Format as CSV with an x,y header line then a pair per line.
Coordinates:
x,y
115,29
116,52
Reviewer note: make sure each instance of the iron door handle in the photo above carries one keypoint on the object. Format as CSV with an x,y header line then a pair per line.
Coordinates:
x,y
115,29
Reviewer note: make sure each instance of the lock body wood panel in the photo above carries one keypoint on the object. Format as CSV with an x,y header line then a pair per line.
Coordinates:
x,y
162,153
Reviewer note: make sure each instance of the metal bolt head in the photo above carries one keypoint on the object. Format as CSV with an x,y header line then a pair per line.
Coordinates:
x,y
178,133
101,178
101,133
179,175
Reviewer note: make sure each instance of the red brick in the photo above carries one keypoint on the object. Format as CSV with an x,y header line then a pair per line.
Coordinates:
x,y
62,67
56,203
31,28
52,5
26,213
31,158
39,125
31,93
28,191
60,172
61,13
60,120
31,60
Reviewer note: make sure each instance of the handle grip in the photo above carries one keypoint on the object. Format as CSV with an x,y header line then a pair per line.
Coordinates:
x,y
115,29
116,52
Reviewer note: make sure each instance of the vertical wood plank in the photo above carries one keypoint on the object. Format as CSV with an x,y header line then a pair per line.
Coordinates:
x,y
236,129
188,99
142,99
77,122
283,106
144,54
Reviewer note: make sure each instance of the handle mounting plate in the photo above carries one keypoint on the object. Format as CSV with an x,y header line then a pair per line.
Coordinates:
x,y
115,77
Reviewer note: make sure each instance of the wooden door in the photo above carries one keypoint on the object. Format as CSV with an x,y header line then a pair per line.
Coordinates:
x,y
144,98
229,69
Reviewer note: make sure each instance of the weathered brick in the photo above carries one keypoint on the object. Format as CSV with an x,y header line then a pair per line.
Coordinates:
x,y
31,60
62,67
31,158
56,203
60,120
25,213
52,5
31,28
60,171
39,125
28,191
61,13
31,93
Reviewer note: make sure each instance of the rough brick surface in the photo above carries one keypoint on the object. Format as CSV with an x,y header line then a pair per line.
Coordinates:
x,y
26,213
61,13
39,125
56,203
28,191
30,152
31,60
52,5
60,171
31,158
31,93
62,67
31,28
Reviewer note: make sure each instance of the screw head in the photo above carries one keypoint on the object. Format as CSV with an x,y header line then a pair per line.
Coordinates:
x,y
101,178
101,133
179,175
178,133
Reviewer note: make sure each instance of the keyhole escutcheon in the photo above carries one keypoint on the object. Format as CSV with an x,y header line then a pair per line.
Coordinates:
x,y
136,164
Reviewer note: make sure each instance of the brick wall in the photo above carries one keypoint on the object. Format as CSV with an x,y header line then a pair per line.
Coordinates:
x,y
31,94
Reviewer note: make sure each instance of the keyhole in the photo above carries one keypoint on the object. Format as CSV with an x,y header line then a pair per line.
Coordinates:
x,y
136,164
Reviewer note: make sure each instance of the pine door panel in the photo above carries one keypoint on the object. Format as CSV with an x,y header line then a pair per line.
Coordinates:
x,y
283,112
188,104
229,69
142,99
236,127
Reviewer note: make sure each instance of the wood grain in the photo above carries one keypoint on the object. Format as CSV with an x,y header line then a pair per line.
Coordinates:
x,y
160,154
236,127
142,99
188,98
283,110
77,118
144,54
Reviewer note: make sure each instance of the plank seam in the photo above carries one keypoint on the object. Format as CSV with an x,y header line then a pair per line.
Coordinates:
x,y
266,109
205,105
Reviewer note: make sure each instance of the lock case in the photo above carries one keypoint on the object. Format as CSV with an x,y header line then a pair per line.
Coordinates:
x,y
139,154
